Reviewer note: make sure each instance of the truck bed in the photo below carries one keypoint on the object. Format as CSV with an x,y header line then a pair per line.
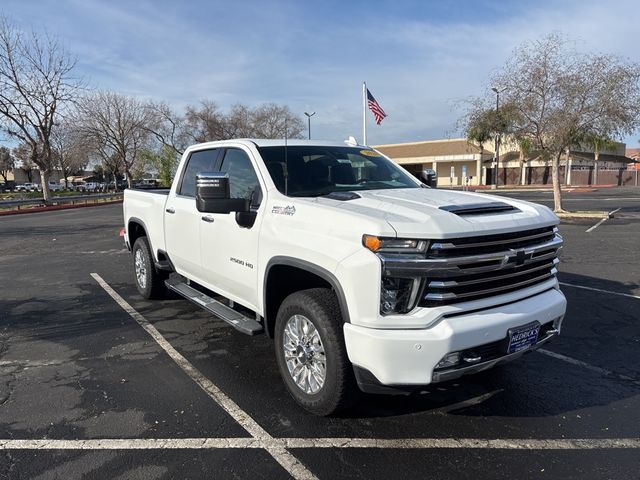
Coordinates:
x,y
147,206
157,190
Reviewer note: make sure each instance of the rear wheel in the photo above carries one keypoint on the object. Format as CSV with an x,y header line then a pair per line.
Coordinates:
x,y
311,353
149,281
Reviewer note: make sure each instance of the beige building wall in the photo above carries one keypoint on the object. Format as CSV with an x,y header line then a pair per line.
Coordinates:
x,y
449,157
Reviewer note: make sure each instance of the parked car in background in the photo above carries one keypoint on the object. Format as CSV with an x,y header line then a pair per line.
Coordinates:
x,y
147,183
26,187
91,187
120,185
8,186
55,186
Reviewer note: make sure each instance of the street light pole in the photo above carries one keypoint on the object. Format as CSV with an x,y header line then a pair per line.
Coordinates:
x,y
309,115
497,161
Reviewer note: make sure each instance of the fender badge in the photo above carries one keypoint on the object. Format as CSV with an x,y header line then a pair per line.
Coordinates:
x,y
288,210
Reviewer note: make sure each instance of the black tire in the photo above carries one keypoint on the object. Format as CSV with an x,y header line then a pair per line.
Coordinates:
x,y
150,282
320,307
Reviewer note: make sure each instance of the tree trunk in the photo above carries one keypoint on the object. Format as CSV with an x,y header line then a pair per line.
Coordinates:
x,y
44,180
555,176
522,174
129,179
596,156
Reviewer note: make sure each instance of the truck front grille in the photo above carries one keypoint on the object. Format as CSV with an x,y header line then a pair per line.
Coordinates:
x,y
465,269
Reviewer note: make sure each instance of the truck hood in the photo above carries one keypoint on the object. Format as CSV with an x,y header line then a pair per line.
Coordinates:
x,y
427,213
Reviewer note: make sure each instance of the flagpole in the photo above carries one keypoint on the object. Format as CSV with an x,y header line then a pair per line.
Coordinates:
x,y
364,113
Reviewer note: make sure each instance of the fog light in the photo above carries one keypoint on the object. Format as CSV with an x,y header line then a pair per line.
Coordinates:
x,y
449,360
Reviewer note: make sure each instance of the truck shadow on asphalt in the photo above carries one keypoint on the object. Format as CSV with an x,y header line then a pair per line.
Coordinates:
x,y
88,325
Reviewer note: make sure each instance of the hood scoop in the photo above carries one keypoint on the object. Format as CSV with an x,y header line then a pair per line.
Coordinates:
x,y
342,196
480,208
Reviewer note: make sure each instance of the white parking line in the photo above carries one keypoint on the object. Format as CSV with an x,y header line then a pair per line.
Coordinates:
x,y
290,463
610,292
593,368
591,229
610,215
394,443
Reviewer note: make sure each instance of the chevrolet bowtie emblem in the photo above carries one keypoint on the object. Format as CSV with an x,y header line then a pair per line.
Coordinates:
x,y
520,257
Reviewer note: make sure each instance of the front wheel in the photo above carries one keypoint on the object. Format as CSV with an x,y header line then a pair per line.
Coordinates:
x,y
311,353
149,281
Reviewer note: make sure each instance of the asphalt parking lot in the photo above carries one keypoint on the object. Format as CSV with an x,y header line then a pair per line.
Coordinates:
x,y
96,382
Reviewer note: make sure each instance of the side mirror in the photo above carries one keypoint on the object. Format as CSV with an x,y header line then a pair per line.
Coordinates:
x,y
429,178
213,194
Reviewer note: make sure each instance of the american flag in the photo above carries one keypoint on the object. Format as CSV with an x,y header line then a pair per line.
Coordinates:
x,y
375,107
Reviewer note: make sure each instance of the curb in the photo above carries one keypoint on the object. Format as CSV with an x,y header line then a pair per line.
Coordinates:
x,y
541,188
57,207
587,215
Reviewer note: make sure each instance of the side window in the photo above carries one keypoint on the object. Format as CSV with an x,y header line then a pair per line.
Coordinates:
x,y
200,161
242,177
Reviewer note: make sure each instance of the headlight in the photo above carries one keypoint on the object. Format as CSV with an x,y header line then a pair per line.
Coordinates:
x,y
398,295
393,245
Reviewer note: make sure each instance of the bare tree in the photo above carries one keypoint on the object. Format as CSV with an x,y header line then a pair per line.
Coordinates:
x,y
239,122
561,96
168,127
7,163
36,82
116,126
70,152
276,121
204,123
207,122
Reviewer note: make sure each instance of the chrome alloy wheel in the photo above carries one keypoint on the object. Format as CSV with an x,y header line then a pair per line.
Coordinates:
x,y
141,269
304,354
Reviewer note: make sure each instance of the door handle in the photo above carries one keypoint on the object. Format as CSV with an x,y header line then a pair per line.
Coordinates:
x,y
208,219
170,210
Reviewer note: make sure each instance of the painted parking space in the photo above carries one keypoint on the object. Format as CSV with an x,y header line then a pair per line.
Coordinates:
x,y
552,415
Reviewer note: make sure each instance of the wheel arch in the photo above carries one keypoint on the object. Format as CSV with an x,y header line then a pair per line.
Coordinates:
x,y
287,275
136,228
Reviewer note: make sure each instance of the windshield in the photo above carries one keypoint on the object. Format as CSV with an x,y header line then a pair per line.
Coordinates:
x,y
310,171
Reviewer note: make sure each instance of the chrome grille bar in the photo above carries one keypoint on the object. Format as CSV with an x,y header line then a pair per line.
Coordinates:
x,y
469,268
464,283
488,291
451,266
453,246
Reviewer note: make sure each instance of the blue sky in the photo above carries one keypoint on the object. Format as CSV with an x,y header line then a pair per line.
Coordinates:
x,y
419,58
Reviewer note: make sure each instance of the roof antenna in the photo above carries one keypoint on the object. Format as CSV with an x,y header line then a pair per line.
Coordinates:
x,y
286,161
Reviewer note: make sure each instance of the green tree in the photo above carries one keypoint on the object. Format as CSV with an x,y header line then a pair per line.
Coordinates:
x,y
164,162
597,143
524,149
7,162
484,123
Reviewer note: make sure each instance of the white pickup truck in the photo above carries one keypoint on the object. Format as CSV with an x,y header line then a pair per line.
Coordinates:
x,y
365,279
